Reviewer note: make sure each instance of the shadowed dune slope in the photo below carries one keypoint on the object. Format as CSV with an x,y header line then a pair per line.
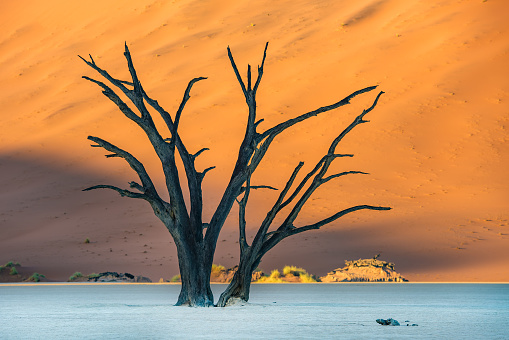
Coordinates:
x,y
436,147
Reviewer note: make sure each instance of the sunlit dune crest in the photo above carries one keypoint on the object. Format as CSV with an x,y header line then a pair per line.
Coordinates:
x,y
436,147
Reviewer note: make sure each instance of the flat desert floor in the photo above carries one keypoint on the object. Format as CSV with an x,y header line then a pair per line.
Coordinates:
x,y
275,311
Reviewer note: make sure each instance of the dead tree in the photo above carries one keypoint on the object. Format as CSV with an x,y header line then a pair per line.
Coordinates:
x,y
196,240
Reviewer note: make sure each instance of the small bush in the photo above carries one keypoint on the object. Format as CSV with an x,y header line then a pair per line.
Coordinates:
x,y
217,268
75,276
36,277
10,264
295,271
93,276
275,274
303,275
176,278
275,277
86,241
307,278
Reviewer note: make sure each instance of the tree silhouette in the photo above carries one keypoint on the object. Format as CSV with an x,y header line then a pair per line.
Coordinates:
x,y
196,240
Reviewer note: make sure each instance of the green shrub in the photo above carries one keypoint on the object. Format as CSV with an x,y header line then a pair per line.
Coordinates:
x,y
93,276
87,240
36,277
176,278
75,276
13,271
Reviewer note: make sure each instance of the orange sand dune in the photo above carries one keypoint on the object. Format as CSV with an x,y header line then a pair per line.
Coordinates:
x,y
436,147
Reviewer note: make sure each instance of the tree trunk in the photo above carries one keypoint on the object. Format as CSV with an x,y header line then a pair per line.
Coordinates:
x,y
240,285
195,276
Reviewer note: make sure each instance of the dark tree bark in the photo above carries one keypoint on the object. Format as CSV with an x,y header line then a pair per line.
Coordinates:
x,y
195,240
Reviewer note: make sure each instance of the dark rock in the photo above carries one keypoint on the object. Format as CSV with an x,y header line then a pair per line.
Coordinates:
x,y
388,322
115,277
140,278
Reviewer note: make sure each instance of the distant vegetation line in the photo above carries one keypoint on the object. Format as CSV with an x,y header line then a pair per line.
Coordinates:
x,y
362,270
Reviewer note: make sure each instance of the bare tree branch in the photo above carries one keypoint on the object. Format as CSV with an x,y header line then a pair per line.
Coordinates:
x,y
334,217
358,120
248,78
260,69
274,237
137,94
137,186
181,107
108,92
285,125
236,70
199,152
258,123
268,136
323,166
307,177
202,174
301,185
262,231
328,178
255,187
135,164
107,76
122,192
130,83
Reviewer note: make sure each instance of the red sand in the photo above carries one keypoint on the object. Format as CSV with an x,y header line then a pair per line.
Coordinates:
x,y
436,146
